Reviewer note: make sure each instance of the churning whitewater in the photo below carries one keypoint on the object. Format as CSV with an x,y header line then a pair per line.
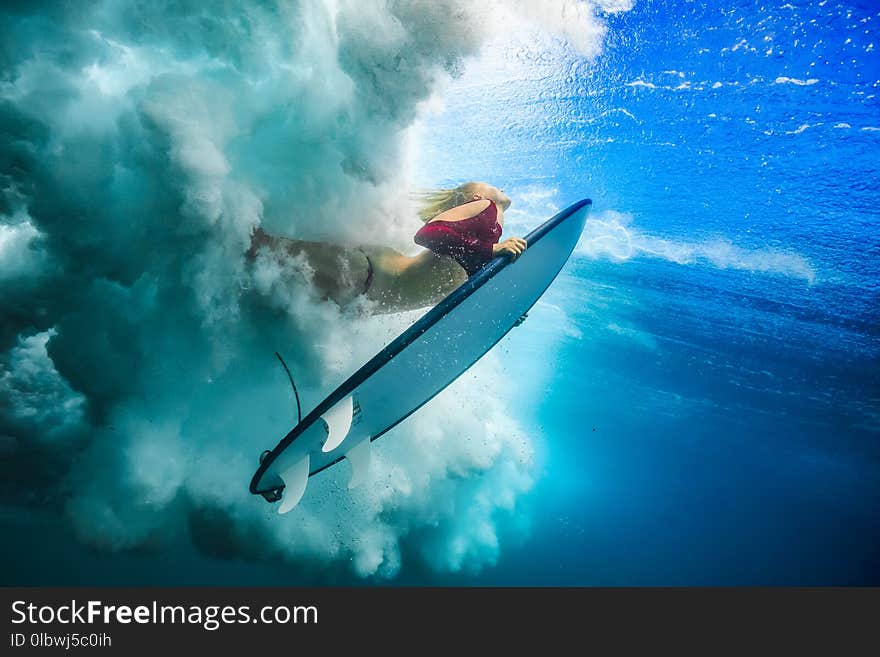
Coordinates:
x,y
142,146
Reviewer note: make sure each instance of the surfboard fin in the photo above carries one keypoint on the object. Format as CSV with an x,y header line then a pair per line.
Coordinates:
x,y
295,479
337,421
359,455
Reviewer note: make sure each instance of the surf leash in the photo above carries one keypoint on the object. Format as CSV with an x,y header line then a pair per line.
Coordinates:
x,y
293,385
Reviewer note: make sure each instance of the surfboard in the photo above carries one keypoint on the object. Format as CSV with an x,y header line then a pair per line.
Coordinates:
x,y
433,352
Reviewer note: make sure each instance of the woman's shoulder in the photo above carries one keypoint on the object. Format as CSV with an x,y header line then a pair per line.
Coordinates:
x,y
464,211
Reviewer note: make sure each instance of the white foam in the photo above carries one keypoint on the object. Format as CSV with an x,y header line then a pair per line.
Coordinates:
x,y
39,405
799,129
619,110
17,258
576,21
641,83
796,81
611,235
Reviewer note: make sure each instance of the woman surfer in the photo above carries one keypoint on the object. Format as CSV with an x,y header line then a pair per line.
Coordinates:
x,y
462,229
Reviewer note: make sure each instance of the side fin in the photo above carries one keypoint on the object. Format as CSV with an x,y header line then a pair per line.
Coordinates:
x,y
295,479
359,455
338,423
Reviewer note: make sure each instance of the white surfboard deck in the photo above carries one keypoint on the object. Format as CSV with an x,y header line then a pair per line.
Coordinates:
x,y
419,363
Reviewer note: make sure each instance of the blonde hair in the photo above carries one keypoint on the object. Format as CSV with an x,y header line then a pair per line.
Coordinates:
x,y
434,202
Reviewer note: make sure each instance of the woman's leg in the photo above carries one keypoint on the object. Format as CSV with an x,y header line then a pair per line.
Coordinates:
x,y
395,282
339,273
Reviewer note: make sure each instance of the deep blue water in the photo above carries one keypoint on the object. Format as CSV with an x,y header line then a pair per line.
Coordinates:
x,y
718,421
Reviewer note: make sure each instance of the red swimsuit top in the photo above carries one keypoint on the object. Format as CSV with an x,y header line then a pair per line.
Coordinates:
x,y
469,241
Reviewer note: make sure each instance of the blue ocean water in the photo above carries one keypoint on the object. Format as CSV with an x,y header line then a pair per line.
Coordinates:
x,y
700,385
714,415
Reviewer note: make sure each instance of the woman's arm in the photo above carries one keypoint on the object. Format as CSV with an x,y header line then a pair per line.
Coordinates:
x,y
464,211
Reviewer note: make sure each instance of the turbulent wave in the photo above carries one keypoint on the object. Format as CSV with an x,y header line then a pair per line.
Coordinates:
x,y
611,235
141,145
